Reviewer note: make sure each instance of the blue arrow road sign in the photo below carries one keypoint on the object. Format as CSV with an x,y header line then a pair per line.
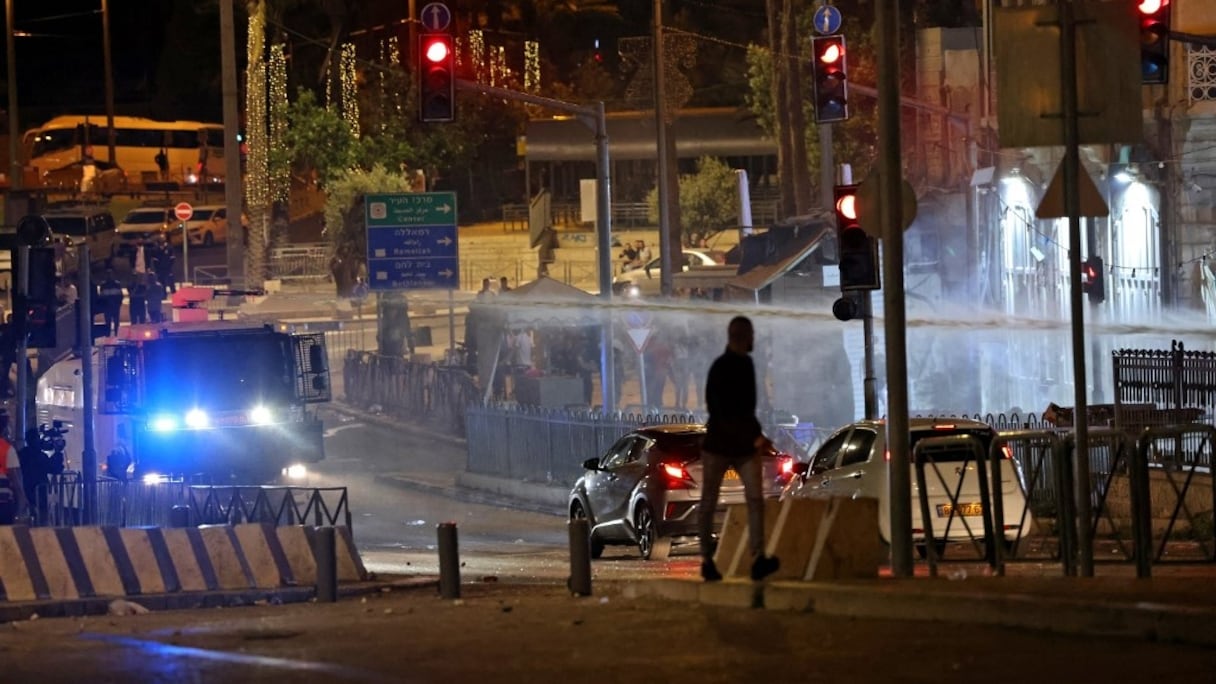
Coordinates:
x,y
435,17
827,20
412,242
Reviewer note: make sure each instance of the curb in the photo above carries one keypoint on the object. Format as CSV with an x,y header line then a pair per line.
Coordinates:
x,y
19,612
896,600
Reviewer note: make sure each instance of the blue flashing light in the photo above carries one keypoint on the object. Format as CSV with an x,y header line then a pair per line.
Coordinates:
x,y
163,423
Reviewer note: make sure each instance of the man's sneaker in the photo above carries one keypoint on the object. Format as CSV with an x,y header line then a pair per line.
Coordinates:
x,y
709,571
763,566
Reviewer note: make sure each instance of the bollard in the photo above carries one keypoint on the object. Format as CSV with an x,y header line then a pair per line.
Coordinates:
x,y
449,562
326,552
580,557
179,516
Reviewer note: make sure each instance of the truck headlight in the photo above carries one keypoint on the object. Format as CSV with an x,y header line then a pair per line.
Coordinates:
x,y
197,418
261,415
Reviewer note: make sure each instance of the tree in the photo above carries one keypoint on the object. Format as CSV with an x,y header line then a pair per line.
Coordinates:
x,y
708,200
345,228
318,140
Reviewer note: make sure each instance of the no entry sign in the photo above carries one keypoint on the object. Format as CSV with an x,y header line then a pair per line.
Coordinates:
x,y
183,211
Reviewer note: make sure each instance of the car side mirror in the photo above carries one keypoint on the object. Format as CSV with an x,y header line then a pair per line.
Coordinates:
x,y
591,464
801,468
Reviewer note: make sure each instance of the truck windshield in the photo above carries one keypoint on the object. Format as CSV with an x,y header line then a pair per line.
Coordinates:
x,y
218,372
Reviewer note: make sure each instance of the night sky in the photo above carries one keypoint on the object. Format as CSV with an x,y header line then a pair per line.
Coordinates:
x,y
60,62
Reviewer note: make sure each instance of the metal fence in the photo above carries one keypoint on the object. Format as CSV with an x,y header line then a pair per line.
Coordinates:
x,y
60,503
300,262
546,445
409,390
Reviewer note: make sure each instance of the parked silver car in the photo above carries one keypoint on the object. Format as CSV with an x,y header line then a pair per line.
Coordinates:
x,y
854,462
645,489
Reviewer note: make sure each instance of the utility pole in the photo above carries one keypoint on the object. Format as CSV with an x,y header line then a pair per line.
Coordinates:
x,y
233,192
886,17
109,67
14,132
660,125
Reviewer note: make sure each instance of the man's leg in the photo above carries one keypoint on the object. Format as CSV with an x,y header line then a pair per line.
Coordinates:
x,y
750,473
713,467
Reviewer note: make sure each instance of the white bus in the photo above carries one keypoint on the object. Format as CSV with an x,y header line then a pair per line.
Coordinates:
x,y
64,140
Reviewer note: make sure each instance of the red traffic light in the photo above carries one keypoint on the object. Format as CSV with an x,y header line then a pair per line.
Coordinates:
x,y
1150,6
828,79
1154,40
436,49
436,78
846,206
831,53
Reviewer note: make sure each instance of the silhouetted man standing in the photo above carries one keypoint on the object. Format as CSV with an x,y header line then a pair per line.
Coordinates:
x,y
733,438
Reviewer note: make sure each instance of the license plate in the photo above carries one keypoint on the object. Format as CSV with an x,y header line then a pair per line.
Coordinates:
x,y
730,474
964,509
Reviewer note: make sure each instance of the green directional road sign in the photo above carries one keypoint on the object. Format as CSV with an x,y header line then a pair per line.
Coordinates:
x,y
412,242
412,209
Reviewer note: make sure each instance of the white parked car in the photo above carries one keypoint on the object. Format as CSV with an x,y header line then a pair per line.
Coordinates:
x,y
644,280
854,462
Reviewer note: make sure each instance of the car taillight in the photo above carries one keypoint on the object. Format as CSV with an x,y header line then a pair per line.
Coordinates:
x,y
674,471
785,465
676,476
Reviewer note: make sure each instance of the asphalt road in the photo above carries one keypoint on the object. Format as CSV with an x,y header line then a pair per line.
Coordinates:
x,y
395,526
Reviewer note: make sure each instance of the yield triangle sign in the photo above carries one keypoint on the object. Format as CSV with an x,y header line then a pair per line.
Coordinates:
x,y
639,336
1052,204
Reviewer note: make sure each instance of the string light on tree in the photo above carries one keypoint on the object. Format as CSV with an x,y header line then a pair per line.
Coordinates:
x,y
477,55
280,172
350,88
257,177
531,66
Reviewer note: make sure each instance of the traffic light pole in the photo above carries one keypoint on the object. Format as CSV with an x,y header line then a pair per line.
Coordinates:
x,y
595,118
84,344
21,324
886,18
1072,206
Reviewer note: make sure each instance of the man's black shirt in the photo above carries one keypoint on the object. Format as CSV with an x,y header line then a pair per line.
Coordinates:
x,y
730,397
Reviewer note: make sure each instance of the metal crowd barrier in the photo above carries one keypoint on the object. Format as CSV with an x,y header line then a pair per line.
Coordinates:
x,y
924,453
1166,450
59,503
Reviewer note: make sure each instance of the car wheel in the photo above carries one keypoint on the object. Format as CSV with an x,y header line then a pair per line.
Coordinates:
x,y
208,240
577,512
650,544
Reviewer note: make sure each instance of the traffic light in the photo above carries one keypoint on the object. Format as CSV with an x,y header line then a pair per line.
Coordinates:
x,y
436,78
35,311
829,79
858,251
1093,281
1154,40
40,325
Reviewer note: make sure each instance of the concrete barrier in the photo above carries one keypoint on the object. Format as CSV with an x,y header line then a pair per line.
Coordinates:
x,y
70,563
815,539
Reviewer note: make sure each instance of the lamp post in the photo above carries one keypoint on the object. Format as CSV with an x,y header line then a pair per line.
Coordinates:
x,y
14,132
